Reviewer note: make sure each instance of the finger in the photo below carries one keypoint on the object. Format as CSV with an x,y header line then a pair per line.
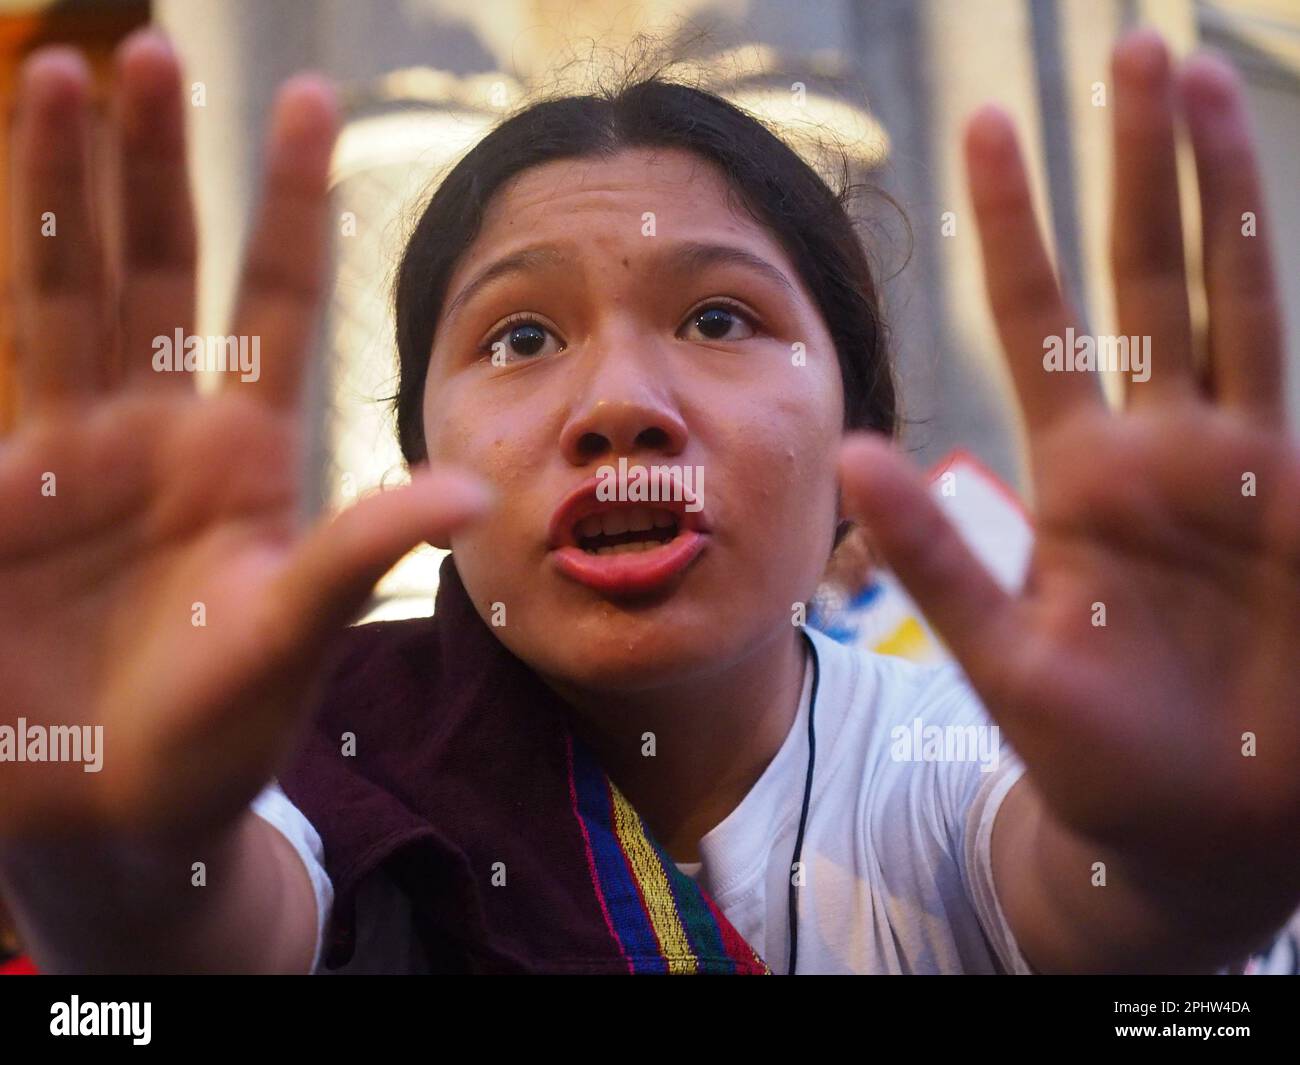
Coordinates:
x,y
284,274
1218,503
339,564
62,334
967,607
101,474
1024,296
158,243
1246,347
1147,228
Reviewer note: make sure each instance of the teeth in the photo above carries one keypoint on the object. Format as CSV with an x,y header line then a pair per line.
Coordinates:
x,y
613,522
620,521
624,519
634,547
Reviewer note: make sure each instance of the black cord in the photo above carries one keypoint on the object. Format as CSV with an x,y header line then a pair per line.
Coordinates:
x,y
803,816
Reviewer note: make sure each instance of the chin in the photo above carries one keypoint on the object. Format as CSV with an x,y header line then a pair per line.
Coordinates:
x,y
619,652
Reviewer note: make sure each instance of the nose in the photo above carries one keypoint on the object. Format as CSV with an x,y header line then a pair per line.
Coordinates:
x,y
623,408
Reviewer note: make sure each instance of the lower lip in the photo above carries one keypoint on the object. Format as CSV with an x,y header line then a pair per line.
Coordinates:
x,y
635,573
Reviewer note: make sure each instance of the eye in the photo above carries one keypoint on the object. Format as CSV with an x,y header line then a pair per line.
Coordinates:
x,y
718,321
520,339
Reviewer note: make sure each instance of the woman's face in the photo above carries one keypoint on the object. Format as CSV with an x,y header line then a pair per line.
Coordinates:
x,y
636,314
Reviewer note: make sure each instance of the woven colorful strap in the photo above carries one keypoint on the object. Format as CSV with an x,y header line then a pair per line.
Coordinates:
x,y
19,966
661,919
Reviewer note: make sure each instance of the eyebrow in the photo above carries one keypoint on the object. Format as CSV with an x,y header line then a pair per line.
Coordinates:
x,y
540,255
686,257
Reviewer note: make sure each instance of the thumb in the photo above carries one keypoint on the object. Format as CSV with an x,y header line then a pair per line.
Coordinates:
x,y
958,596
339,563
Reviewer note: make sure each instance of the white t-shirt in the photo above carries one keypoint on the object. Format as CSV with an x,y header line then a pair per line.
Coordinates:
x,y
897,876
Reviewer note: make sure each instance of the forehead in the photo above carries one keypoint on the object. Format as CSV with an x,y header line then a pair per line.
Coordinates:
x,y
615,179
613,205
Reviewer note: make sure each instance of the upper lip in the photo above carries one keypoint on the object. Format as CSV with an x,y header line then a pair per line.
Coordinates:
x,y
582,502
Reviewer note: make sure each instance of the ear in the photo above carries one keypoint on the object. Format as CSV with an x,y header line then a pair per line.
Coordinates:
x,y
844,524
441,542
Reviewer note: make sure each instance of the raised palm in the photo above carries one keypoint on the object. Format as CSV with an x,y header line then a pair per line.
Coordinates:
x,y
155,575
1148,674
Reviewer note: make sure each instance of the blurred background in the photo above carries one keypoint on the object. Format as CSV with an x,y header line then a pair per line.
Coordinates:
x,y
891,79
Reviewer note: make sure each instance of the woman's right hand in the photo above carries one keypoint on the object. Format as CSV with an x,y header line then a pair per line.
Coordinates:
x,y
131,507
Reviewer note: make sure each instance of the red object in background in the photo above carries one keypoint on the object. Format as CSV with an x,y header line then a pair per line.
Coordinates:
x,y
19,966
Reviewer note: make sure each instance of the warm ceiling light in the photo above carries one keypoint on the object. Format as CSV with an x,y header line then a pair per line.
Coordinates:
x,y
812,121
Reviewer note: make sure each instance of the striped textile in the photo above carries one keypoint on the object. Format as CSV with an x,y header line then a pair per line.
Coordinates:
x,y
661,919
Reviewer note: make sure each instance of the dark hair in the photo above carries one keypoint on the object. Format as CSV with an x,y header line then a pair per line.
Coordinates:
x,y
782,192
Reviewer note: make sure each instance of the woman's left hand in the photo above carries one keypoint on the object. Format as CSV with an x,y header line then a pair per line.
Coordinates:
x,y
1149,671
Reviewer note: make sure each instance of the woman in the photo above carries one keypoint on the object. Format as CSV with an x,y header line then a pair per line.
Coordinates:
x,y
653,279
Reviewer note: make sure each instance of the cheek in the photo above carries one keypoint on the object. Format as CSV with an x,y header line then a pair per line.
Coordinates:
x,y
500,445
461,428
790,449
788,488
782,494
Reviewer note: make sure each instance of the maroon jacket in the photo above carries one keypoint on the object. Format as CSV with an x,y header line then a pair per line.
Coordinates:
x,y
462,760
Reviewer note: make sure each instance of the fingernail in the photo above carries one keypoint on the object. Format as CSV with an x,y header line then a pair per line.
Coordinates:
x,y
1143,56
473,491
153,35
1212,80
67,66
992,129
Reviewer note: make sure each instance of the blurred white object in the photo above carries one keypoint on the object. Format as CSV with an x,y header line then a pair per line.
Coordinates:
x,y
883,617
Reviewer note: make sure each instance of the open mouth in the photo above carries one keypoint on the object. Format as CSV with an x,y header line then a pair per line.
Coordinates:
x,y
626,530
625,548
